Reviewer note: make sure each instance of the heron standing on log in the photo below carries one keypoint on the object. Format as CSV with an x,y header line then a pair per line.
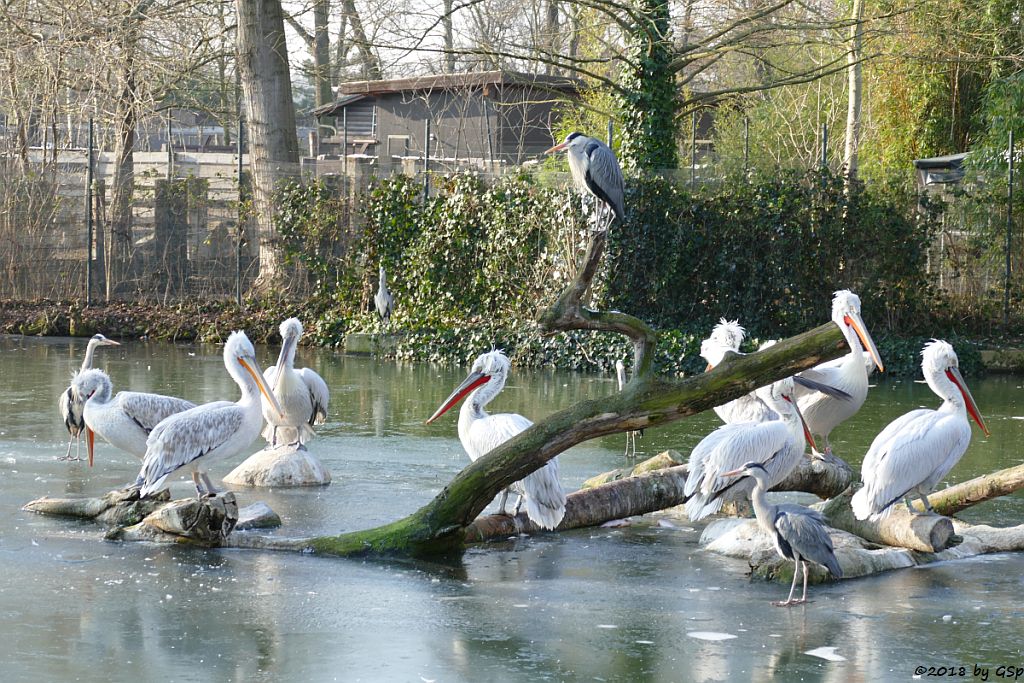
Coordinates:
x,y
595,171
631,435
798,532
71,408
914,452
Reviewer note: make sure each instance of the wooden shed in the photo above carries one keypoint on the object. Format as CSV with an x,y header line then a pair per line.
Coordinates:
x,y
479,117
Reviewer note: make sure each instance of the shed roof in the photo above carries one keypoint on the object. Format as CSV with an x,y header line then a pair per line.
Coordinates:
x,y
940,170
455,81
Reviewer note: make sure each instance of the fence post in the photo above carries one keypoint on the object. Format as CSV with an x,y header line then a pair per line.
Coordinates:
x,y
1009,232
88,218
426,160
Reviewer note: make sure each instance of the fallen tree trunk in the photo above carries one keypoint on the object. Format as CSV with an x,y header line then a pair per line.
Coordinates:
x,y
744,539
927,533
961,496
122,507
661,461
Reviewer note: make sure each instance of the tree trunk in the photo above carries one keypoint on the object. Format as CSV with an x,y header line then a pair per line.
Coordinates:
x,y
551,34
449,37
371,67
649,94
854,90
926,533
122,192
322,55
273,142
961,496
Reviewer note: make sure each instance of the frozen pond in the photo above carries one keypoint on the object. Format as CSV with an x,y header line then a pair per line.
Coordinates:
x,y
631,603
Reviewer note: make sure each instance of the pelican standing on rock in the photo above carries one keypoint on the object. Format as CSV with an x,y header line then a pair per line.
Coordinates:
x,y
212,431
383,300
777,444
70,408
302,394
595,171
481,433
914,452
799,533
126,420
849,373
727,336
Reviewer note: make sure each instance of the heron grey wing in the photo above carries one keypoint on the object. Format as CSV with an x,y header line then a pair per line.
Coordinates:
x,y
184,437
319,395
71,410
604,177
148,410
801,510
808,538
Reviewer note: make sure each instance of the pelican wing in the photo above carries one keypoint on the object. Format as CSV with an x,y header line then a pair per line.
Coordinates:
x,y
185,437
270,374
149,410
808,538
918,448
319,395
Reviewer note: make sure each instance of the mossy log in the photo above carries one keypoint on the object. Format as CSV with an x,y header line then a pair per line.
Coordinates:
x,y
663,460
121,507
825,478
961,496
742,538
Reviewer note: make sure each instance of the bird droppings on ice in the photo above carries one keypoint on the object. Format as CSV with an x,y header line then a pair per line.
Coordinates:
x,y
644,642
828,653
710,635
607,626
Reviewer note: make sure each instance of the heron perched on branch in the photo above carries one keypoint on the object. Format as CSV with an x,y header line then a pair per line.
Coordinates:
x,y
125,420
302,393
212,431
70,407
595,171
481,433
799,533
914,452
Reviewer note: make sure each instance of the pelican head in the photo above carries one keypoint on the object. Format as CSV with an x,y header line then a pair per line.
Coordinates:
x,y
726,336
291,328
846,314
491,367
780,396
571,140
90,383
937,359
239,358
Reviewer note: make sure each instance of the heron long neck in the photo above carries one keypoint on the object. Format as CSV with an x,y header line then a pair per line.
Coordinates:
x,y
763,510
90,349
383,285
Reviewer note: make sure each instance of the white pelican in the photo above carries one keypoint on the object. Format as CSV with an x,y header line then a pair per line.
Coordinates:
x,y
481,433
777,444
595,171
302,394
726,336
915,451
631,436
212,431
849,373
383,300
71,409
126,420
799,533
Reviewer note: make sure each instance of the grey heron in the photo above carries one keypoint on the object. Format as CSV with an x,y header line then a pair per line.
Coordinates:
x,y
914,452
849,373
799,533
480,433
125,420
212,431
631,436
595,171
302,393
778,444
70,407
383,299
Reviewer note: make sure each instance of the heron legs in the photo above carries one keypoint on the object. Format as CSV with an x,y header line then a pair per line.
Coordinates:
x,y
789,602
76,438
501,505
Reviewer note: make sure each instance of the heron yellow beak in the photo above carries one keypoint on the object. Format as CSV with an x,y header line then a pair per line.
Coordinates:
x,y
556,148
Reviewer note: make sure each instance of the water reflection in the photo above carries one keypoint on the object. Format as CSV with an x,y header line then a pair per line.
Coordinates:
x,y
597,604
